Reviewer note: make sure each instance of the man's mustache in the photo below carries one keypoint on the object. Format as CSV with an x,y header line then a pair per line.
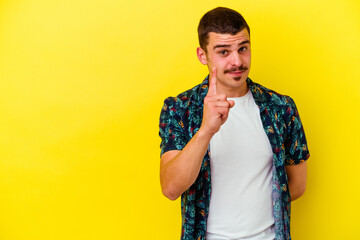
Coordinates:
x,y
235,69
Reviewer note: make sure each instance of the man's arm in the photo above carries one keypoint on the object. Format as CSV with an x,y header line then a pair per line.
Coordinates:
x,y
297,179
179,169
296,152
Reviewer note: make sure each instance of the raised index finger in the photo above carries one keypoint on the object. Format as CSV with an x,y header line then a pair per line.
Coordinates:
x,y
212,84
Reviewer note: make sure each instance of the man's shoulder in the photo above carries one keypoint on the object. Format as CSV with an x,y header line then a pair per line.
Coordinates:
x,y
192,96
270,96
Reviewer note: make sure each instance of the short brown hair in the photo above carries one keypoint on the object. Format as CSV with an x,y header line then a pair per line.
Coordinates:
x,y
220,20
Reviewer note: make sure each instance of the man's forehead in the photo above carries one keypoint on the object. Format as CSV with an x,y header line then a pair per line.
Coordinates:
x,y
221,38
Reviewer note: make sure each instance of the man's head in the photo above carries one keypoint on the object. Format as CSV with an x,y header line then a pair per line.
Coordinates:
x,y
224,38
220,20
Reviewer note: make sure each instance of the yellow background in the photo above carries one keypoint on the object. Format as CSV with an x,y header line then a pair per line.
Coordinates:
x,y
82,85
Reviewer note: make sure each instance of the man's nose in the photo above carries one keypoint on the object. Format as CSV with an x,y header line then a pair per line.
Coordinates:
x,y
236,59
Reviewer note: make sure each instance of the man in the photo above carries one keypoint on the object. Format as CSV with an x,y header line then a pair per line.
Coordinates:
x,y
252,138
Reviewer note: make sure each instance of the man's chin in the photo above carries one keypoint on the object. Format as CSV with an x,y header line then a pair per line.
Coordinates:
x,y
240,78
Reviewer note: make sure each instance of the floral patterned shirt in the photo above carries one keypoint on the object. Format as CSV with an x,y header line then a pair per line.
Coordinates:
x,y
181,118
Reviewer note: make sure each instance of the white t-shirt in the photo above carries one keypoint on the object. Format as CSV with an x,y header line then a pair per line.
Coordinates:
x,y
241,177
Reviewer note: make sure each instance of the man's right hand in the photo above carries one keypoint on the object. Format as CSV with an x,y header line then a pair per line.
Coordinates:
x,y
216,108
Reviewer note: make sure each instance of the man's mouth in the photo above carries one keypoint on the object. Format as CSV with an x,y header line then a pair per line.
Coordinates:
x,y
236,72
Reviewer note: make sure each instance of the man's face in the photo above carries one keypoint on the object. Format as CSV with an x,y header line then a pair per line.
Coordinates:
x,y
231,55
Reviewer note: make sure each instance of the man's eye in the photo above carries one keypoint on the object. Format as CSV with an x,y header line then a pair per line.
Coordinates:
x,y
223,52
242,49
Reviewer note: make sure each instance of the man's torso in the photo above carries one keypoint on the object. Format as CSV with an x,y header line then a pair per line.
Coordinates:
x,y
241,176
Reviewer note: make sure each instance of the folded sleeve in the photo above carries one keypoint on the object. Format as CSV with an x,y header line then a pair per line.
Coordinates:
x,y
171,131
296,148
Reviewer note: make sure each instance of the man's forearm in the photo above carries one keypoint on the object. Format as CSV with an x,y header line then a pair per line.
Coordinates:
x,y
178,174
296,190
297,175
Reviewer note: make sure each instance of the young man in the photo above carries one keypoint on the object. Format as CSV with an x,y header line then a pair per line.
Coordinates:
x,y
252,138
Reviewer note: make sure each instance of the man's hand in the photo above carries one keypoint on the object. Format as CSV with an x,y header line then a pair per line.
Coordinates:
x,y
216,108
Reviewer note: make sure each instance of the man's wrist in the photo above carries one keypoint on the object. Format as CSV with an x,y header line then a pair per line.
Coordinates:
x,y
203,133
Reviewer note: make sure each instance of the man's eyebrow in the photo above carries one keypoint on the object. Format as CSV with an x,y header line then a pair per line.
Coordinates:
x,y
243,42
225,46
221,46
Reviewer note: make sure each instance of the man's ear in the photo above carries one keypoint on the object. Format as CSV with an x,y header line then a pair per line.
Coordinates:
x,y
201,55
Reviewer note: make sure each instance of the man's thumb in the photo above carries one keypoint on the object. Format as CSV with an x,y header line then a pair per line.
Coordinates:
x,y
232,103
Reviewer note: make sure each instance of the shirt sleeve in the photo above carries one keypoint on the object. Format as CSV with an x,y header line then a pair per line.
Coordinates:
x,y
172,132
296,148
